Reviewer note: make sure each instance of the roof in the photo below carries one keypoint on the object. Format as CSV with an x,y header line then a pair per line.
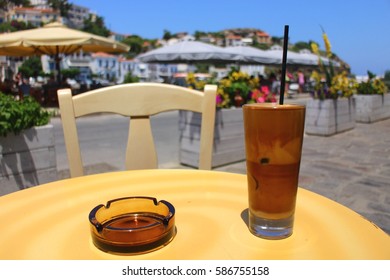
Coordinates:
x,y
102,54
262,34
35,10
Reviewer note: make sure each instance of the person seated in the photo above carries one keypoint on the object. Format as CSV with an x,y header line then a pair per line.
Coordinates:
x,y
24,89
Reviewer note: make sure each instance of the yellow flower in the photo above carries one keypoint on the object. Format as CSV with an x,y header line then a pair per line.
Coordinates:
x,y
379,86
314,48
254,82
328,47
190,79
342,85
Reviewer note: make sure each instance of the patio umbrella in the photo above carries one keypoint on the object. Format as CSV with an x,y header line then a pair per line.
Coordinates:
x,y
303,58
293,58
314,58
250,55
55,39
188,52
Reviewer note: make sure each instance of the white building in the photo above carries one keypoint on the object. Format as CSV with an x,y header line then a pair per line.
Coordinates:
x,y
105,66
76,15
32,15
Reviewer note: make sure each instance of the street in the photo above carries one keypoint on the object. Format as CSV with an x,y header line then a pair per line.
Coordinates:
x,y
103,142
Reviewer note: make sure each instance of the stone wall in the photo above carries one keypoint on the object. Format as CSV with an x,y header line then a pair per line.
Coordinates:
x,y
229,144
328,117
372,108
27,159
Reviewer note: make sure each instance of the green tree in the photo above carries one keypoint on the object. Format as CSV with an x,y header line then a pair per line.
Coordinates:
x,y
21,25
199,34
219,35
261,46
7,27
167,35
277,40
4,3
15,25
129,78
202,67
136,45
70,73
31,67
302,45
62,6
95,25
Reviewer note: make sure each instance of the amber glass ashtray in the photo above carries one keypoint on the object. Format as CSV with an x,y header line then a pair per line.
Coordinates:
x,y
132,225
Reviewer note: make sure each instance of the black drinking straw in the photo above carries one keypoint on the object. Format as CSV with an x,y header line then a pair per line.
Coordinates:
x,y
284,65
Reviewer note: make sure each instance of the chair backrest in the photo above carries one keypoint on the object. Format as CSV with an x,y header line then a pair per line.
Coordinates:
x,y
138,101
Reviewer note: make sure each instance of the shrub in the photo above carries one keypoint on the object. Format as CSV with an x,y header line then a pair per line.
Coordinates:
x,y
129,78
372,85
16,116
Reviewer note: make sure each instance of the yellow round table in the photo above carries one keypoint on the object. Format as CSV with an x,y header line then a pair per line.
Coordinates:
x,y
51,221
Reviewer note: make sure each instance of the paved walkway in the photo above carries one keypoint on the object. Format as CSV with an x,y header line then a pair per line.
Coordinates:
x,y
352,168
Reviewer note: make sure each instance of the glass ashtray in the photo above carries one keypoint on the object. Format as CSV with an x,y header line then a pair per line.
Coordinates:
x,y
132,225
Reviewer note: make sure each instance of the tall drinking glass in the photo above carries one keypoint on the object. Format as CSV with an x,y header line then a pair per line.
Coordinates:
x,y
273,143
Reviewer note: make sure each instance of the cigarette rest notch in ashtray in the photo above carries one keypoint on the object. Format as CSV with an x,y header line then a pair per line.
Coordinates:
x,y
132,225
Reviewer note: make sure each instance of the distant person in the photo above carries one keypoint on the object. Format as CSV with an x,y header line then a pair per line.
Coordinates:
x,y
288,80
301,81
18,79
275,84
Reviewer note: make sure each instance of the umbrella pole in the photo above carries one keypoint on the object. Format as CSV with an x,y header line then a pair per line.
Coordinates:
x,y
58,60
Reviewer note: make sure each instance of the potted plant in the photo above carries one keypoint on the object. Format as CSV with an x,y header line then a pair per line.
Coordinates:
x,y
372,100
27,148
331,110
235,90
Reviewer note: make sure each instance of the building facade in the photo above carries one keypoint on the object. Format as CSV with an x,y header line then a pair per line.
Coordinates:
x,y
105,66
76,14
34,16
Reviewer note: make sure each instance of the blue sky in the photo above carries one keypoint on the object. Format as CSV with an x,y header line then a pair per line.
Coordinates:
x,y
359,30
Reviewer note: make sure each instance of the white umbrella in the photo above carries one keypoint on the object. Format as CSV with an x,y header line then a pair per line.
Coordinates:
x,y
188,52
313,58
293,58
250,55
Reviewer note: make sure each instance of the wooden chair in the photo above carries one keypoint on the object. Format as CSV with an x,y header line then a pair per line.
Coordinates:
x,y
138,101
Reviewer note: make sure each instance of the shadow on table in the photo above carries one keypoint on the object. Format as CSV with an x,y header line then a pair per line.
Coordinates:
x,y
245,216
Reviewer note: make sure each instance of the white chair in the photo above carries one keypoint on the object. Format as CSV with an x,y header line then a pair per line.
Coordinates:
x,y
138,101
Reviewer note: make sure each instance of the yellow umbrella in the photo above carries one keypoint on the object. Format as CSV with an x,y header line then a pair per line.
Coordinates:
x,y
55,39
